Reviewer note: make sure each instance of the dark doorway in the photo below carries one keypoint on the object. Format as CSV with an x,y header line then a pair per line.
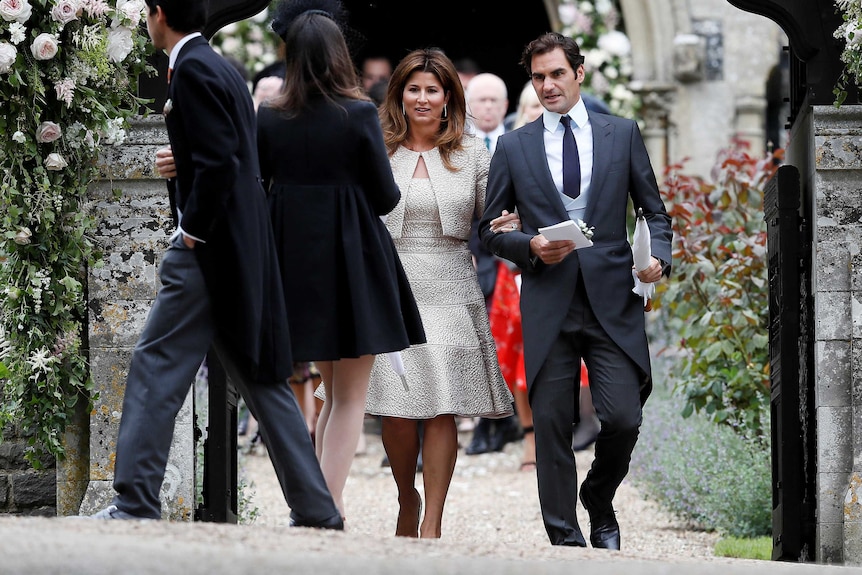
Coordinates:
x,y
488,31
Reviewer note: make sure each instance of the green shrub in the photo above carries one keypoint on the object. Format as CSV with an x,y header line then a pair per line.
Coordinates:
x,y
716,301
712,475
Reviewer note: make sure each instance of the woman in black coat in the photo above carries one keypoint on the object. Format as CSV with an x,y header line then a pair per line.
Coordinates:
x,y
327,173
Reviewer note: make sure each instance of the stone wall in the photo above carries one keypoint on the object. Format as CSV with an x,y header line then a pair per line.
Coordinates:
x,y
701,67
826,147
24,490
834,152
134,224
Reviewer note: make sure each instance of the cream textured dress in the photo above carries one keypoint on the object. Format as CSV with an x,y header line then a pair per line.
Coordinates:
x,y
456,371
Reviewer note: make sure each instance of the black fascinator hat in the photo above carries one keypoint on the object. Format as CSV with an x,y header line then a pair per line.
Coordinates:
x,y
287,11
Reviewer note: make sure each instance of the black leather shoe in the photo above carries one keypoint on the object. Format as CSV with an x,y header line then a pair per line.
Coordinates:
x,y
481,438
335,522
586,432
507,431
604,529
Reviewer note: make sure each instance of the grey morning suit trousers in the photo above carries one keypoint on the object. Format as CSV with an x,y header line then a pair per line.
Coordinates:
x,y
615,385
179,332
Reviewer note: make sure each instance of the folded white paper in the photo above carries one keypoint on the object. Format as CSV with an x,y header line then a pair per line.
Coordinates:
x,y
566,230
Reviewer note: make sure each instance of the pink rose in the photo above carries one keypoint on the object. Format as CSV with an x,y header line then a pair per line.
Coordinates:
x,y
64,11
44,47
15,10
48,132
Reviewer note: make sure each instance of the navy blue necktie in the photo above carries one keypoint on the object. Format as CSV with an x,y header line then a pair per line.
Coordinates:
x,y
571,161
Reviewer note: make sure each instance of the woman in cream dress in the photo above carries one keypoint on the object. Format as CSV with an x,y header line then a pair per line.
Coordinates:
x,y
442,174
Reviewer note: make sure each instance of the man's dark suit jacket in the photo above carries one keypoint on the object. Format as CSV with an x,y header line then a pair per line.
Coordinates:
x,y
212,131
519,178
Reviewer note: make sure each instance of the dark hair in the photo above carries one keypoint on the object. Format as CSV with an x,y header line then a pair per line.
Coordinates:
x,y
287,11
377,91
317,60
182,15
467,66
395,128
548,42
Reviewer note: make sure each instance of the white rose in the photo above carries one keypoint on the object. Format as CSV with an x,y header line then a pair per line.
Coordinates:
x,y
120,43
595,59
128,12
852,34
48,132
8,54
22,238
15,10
615,42
64,11
55,162
568,13
44,47
604,6
19,137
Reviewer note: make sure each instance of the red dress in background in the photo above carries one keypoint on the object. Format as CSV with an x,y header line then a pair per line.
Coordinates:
x,y
505,316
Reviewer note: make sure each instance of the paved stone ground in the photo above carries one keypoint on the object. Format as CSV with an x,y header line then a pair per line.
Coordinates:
x,y
492,525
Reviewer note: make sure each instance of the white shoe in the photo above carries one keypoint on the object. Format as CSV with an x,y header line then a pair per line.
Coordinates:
x,y
114,512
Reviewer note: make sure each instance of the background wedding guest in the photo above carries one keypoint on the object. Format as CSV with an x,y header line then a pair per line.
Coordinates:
x,y
374,69
326,170
505,311
220,285
442,173
578,305
487,103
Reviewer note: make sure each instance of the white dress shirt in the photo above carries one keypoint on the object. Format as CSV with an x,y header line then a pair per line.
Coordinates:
x,y
492,136
583,132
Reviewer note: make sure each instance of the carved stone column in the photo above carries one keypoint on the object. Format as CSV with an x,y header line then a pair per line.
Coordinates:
x,y
657,99
131,206
748,124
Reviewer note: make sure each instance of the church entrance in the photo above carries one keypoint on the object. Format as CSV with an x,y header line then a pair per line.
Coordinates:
x,y
490,32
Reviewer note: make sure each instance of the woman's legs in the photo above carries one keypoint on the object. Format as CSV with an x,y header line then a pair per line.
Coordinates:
x,y
325,369
525,416
401,442
346,387
439,452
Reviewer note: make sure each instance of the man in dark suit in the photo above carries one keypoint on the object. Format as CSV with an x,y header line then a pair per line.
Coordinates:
x,y
220,285
578,305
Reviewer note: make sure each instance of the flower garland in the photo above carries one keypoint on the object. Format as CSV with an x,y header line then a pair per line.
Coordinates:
x,y
851,32
607,51
69,71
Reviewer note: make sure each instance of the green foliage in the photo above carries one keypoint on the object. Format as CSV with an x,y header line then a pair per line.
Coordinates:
x,y
714,476
717,297
59,108
745,548
251,41
850,33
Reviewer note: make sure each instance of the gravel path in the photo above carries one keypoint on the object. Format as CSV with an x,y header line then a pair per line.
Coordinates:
x,y
492,506
492,525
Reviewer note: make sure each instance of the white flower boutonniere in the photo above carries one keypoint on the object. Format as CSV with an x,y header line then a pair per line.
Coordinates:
x,y
169,105
585,229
